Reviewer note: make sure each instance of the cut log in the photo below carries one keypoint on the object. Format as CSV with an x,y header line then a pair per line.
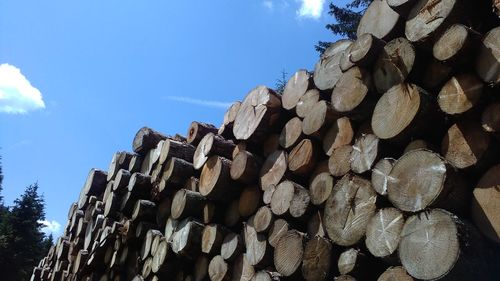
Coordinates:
x,y
380,175
120,160
159,264
365,49
397,273
263,219
291,133
271,144
249,200
192,184
380,20
197,130
434,74
316,259
273,170
383,232
242,269
140,185
394,64
456,44
135,164
209,145
268,194
145,251
306,102
144,210
344,278
122,179
461,93
303,157
215,179
418,144
402,7
429,18
170,228
186,241
226,129
187,203
485,208
262,275
315,226
212,238
176,171
295,88
339,162
258,113
490,119
348,210
438,245
318,119
290,197
278,229
466,144
200,268
365,151
172,148
232,246
355,263
218,269
327,70
488,60
146,139
438,184
258,251
320,188
339,134
151,158
163,211
345,62
288,253
94,185
231,214
245,167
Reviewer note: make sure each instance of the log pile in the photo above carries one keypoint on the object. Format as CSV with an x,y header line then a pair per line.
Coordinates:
x,y
382,164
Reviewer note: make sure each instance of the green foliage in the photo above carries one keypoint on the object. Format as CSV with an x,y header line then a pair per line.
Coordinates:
x,y
347,19
281,82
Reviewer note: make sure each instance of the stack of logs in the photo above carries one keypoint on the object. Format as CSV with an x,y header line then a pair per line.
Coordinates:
x,y
383,164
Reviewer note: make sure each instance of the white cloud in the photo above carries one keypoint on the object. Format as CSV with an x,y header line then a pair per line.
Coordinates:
x,y
207,103
16,93
50,227
268,4
310,8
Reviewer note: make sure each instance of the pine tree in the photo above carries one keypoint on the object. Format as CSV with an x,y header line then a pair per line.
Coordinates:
x,y
281,82
347,19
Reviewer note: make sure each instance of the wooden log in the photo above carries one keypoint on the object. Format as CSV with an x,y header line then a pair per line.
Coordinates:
x,y
344,278
394,64
461,93
187,203
215,179
380,175
278,229
197,130
258,251
339,134
94,186
231,214
428,18
192,184
291,133
218,269
249,201
315,225
289,254
135,163
263,219
201,268
303,157
146,139
402,7
327,70
380,20
172,148
144,210
397,273
176,171
319,119
268,194
490,119
418,144
409,117
317,259
438,245
351,96
209,145
212,239
163,211
383,232
306,102
295,88
232,246
348,210
440,185
170,228
151,158
355,263
488,60
140,185
433,74
273,170
160,266
339,162
121,181
345,62
485,207
466,145
120,160
292,198
264,275
320,188
258,113
186,241
245,167
365,152
226,129
456,44
242,269
145,250
270,145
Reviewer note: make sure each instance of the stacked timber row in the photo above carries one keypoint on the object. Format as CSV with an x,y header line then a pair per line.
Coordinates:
x,y
382,164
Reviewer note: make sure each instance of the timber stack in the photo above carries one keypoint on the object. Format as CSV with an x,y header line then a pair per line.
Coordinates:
x,y
382,164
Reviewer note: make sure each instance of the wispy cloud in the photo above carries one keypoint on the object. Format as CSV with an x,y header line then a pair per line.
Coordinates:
x,y
310,9
268,4
17,95
200,102
50,227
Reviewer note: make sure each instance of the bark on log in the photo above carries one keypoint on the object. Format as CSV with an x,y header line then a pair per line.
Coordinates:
x,y
209,145
249,201
315,225
94,185
271,144
172,148
146,139
316,259
120,160
380,20
485,209
295,88
187,203
215,179
197,130
348,210
144,210
327,70
186,241
461,93
176,171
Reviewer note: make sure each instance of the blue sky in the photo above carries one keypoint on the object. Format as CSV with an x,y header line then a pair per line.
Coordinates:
x,y
79,78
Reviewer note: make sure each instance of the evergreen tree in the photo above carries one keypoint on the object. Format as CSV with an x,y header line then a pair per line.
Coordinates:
x,y
1,180
281,82
347,19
